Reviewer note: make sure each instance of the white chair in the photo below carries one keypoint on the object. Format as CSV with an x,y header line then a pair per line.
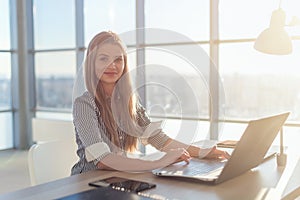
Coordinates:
x,y
54,153
52,160
51,129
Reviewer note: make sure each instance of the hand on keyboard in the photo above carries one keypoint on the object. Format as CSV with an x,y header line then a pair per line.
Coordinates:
x,y
217,154
174,156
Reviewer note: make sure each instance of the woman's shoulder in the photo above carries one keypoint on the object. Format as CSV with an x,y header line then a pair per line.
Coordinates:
x,y
86,96
85,99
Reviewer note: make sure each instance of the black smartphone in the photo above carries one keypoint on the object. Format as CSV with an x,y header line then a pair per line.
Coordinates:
x,y
123,184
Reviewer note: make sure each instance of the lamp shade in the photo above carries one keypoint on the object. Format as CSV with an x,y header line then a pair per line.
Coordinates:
x,y
275,40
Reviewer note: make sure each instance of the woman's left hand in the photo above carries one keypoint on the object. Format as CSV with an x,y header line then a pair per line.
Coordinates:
x,y
217,154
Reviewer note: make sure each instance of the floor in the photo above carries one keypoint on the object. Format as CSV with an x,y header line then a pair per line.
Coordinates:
x,y
13,170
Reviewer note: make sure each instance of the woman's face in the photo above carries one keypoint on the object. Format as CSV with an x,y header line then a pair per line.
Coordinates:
x,y
109,63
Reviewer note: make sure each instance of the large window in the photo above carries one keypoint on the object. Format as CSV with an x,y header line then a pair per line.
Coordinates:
x,y
54,24
102,15
6,137
176,85
53,70
55,44
256,84
176,88
189,18
55,55
264,84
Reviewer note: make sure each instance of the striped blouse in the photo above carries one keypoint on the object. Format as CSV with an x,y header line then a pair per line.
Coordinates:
x,y
93,144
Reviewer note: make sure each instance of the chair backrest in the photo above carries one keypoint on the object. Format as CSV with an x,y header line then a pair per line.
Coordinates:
x,y
54,153
51,129
52,160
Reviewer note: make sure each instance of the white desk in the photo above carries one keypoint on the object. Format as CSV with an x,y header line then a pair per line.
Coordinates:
x,y
264,182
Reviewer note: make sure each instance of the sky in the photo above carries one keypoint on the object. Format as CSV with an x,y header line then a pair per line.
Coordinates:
x,y
55,27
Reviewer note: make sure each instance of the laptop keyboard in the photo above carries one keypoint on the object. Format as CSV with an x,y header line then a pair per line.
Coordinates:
x,y
199,168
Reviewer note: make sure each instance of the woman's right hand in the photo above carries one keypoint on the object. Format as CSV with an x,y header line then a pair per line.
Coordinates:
x,y
174,156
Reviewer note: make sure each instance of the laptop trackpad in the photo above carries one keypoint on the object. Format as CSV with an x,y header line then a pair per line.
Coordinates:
x,y
196,168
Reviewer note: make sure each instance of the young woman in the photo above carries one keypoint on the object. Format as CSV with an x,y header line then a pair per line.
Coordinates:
x,y
109,121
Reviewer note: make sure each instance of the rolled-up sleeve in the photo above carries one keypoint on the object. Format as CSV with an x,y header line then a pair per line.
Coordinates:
x,y
158,140
96,151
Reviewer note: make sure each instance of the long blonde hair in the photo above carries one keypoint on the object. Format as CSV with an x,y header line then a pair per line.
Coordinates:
x,y
94,86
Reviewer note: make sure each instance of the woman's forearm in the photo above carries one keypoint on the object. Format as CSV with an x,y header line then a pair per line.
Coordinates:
x,y
194,151
174,144
121,163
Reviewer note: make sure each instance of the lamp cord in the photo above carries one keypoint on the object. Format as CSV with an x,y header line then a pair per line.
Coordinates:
x,y
279,4
281,157
281,141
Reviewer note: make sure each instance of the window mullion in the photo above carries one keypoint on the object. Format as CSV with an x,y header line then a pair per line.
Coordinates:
x,y
140,53
23,92
79,26
214,82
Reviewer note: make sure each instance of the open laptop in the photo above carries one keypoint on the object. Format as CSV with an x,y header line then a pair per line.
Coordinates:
x,y
248,153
